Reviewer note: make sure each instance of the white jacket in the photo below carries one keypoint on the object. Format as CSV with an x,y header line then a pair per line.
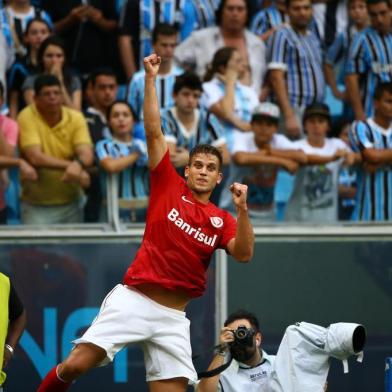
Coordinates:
x,y
302,361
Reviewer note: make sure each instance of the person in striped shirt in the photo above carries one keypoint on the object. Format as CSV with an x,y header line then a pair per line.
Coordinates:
x,y
164,42
185,125
295,65
205,10
373,138
14,19
125,157
138,20
336,55
266,20
370,59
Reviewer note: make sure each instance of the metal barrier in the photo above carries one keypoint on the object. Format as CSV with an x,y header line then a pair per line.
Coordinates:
x,y
68,269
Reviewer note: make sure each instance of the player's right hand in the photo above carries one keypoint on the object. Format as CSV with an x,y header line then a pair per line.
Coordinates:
x,y
151,64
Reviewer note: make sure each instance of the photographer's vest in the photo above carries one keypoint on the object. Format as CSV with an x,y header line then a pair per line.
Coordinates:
x,y
4,299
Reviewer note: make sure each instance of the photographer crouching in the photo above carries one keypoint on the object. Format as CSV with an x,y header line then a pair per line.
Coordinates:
x,y
249,371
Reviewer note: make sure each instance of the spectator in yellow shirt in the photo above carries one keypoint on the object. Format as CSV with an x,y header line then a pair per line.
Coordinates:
x,y
55,140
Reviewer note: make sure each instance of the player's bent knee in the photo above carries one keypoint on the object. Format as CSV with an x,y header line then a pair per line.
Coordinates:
x,y
83,358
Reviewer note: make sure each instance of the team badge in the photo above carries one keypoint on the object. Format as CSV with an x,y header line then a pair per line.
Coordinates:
x,y
216,221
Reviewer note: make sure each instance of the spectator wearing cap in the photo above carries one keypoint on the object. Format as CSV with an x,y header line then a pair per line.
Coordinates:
x,y
196,52
54,139
315,191
370,59
295,65
373,140
257,156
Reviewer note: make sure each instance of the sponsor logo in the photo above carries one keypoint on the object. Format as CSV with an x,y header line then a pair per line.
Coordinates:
x,y
174,216
186,200
379,68
216,221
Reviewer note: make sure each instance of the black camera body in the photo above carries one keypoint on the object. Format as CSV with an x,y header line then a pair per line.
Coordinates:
x,y
243,337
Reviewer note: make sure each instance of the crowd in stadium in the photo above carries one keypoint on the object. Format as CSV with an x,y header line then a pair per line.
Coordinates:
x,y
296,94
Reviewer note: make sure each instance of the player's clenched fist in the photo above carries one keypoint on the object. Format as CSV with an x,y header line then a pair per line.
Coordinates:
x,y
239,192
151,64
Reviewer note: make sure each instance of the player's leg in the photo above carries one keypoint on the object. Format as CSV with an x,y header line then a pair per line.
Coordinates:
x,y
84,357
178,384
168,354
97,346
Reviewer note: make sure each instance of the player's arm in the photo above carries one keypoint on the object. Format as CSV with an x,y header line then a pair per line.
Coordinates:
x,y
241,246
156,143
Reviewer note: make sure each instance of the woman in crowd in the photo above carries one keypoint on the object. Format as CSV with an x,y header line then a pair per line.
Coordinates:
x,y
37,30
126,159
52,60
224,94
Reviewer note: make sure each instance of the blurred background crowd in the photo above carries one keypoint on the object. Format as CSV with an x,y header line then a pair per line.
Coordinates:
x,y
297,95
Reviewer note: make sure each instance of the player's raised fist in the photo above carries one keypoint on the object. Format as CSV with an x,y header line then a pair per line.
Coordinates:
x,y
151,64
239,193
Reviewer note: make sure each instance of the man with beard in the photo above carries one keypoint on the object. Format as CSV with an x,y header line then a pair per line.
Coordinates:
x,y
251,366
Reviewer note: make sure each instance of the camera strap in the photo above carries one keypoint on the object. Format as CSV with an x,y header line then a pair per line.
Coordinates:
x,y
214,372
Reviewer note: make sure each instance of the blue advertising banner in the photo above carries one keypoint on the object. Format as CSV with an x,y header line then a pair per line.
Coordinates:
x,y
62,285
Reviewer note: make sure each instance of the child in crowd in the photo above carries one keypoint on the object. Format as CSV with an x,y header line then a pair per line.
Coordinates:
x,y
37,30
257,156
347,177
52,60
315,192
126,159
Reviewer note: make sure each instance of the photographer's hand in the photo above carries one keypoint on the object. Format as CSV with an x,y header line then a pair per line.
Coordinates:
x,y
210,384
226,336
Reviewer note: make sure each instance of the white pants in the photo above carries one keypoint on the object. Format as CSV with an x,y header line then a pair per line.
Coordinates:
x,y
128,316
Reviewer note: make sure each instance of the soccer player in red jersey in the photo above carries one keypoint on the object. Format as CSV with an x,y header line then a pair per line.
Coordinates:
x,y
182,231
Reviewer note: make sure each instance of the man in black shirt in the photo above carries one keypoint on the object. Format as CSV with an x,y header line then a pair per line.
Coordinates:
x,y
89,29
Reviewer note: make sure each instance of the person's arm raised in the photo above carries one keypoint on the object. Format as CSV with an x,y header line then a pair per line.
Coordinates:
x,y
156,143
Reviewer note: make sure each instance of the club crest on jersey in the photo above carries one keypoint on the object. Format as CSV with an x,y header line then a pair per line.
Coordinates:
x,y
216,221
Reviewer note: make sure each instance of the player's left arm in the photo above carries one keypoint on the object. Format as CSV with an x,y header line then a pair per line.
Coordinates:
x,y
241,246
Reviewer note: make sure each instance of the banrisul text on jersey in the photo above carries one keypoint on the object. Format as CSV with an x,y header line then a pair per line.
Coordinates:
x,y
174,216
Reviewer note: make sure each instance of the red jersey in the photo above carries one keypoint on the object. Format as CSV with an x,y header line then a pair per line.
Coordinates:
x,y
180,237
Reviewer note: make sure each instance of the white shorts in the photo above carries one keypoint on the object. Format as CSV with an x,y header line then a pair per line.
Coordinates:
x,y
128,316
